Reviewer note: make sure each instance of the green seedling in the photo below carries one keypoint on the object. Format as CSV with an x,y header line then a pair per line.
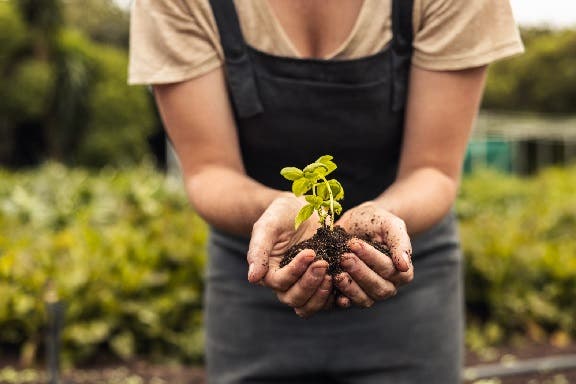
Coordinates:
x,y
324,195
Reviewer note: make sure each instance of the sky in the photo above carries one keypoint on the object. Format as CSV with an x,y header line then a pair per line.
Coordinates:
x,y
554,13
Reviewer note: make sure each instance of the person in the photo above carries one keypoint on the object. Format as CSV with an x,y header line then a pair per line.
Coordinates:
x,y
390,88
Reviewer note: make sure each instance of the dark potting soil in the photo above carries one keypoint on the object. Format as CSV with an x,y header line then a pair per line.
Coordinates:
x,y
329,245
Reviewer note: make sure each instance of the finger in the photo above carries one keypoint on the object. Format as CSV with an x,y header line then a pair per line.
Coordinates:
x,y
402,278
319,299
396,237
376,287
379,263
259,249
281,279
343,302
352,290
305,287
375,260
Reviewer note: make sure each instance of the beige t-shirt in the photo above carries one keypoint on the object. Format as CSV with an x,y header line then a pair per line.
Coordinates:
x,y
177,40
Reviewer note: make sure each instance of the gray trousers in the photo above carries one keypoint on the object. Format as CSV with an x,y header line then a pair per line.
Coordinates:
x,y
414,337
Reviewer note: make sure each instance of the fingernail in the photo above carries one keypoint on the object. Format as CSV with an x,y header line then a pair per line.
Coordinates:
x,y
347,262
407,259
318,271
250,270
354,246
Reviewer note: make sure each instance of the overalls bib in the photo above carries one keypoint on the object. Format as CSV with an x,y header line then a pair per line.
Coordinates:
x,y
289,112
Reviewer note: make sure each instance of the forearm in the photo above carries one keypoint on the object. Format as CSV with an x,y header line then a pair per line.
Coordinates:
x,y
227,199
440,114
421,198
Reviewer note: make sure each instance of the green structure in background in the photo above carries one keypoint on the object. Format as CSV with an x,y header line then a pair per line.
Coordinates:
x,y
489,153
520,143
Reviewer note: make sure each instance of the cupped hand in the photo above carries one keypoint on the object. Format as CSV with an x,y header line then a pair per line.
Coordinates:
x,y
303,283
370,275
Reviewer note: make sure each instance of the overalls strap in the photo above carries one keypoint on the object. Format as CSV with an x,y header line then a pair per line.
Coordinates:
x,y
402,38
239,71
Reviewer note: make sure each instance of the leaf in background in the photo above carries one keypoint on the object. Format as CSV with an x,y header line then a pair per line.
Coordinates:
x,y
336,188
337,206
123,345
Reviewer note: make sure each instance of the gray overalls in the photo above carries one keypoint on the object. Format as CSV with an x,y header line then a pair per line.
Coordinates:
x,y
289,112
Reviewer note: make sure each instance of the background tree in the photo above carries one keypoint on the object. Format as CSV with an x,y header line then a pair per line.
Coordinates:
x,y
541,80
64,95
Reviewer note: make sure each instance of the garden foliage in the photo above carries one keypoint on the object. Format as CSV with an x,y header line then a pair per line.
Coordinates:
x,y
519,242
64,96
540,80
123,250
126,254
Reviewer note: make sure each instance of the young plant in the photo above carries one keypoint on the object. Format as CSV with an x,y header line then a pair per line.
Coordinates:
x,y
324,195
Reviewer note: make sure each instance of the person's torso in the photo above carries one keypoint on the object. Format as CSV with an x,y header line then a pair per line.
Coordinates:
x,y
290,111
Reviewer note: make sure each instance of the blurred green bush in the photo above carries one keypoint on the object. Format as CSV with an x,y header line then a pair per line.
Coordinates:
x,y
541,80
64,95
519,242
123,250
126,253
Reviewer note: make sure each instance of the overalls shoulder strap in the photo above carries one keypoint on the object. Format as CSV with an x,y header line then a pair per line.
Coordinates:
x,y
401,46
239,72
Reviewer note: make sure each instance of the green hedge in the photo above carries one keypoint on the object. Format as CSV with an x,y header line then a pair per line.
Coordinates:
x,y
126,253
122,249
519,241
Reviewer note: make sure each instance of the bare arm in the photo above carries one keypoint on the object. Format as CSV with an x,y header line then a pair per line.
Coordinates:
x,y
441,110
199,121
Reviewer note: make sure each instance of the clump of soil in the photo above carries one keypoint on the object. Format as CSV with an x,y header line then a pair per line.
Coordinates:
x,y
329,245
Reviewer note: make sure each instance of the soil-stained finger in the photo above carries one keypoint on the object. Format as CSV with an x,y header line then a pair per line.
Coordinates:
x,y
281,279
299,293
375,260
319,300
343,302
352,290
369,281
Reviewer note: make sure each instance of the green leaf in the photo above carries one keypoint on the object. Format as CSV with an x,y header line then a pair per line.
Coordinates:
x,y
301,186
337,206
315,171
292,173
315,201
324,158
322,191
327,161
303,215
336,188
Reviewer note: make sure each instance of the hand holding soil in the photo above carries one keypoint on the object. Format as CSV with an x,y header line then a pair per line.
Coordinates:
x,y
367,255
303,283
371,272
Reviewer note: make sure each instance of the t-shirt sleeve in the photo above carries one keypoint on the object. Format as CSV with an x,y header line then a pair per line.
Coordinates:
x,y
459,34
171,41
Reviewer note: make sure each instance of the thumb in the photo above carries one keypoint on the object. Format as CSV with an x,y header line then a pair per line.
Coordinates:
x,y
259,250
399,243
401,258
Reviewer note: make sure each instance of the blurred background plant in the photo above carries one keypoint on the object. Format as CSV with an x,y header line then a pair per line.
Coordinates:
x,y
63,86
85,210
122,249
